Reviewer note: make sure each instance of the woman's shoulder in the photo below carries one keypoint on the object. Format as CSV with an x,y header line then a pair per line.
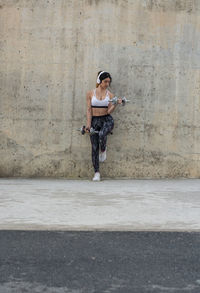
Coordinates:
x,y
90,93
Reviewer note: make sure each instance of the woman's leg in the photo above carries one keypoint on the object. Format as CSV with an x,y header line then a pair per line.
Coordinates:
x,y
107,127
96,124
95,151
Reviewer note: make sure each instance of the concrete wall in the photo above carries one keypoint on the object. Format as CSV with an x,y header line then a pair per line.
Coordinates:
x,y
51,51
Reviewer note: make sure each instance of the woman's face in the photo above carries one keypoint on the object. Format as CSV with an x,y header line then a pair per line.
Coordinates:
x,y
105,83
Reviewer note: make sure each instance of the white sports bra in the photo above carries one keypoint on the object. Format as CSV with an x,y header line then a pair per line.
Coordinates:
x,y
95,103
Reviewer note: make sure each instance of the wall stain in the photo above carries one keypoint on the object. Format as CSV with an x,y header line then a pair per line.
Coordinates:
x,y
188,6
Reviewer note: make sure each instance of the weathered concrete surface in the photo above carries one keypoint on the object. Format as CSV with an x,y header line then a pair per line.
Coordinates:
x,y
50,54
113,205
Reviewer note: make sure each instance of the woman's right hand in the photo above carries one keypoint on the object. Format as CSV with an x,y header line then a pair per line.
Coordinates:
x,y
119,101
88,128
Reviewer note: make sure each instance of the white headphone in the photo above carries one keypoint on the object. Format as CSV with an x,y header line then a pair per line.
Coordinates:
x,y
98,80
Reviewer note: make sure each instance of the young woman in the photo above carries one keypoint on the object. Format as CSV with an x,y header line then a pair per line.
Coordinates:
x,y
98,117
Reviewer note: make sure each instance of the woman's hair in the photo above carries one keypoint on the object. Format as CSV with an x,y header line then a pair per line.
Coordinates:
x,y
103,76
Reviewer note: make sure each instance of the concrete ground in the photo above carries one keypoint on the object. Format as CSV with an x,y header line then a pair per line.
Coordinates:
x,y
114,205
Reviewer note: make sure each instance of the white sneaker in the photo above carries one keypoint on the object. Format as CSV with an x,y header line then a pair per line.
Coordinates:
x,y
102,156
96,176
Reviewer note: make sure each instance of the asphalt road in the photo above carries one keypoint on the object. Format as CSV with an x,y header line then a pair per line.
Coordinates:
x,y
100,262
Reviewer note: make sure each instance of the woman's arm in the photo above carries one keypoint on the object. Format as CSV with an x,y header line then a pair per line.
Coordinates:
x,y
111,107
89,110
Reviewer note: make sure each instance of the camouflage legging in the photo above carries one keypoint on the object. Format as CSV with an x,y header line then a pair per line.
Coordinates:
x,y
103,124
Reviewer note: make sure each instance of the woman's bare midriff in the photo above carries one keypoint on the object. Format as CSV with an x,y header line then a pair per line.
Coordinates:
x,y
99,111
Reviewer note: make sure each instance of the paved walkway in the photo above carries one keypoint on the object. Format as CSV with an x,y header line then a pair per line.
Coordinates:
x,y
114,205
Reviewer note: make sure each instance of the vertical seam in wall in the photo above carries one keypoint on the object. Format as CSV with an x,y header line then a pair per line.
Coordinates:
x,y
74,85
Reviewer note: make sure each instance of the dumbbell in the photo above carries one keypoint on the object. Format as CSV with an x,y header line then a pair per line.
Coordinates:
x,y
91,132
115,99
83,130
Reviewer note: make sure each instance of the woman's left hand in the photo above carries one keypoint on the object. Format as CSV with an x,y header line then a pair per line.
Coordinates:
x,y
119,101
